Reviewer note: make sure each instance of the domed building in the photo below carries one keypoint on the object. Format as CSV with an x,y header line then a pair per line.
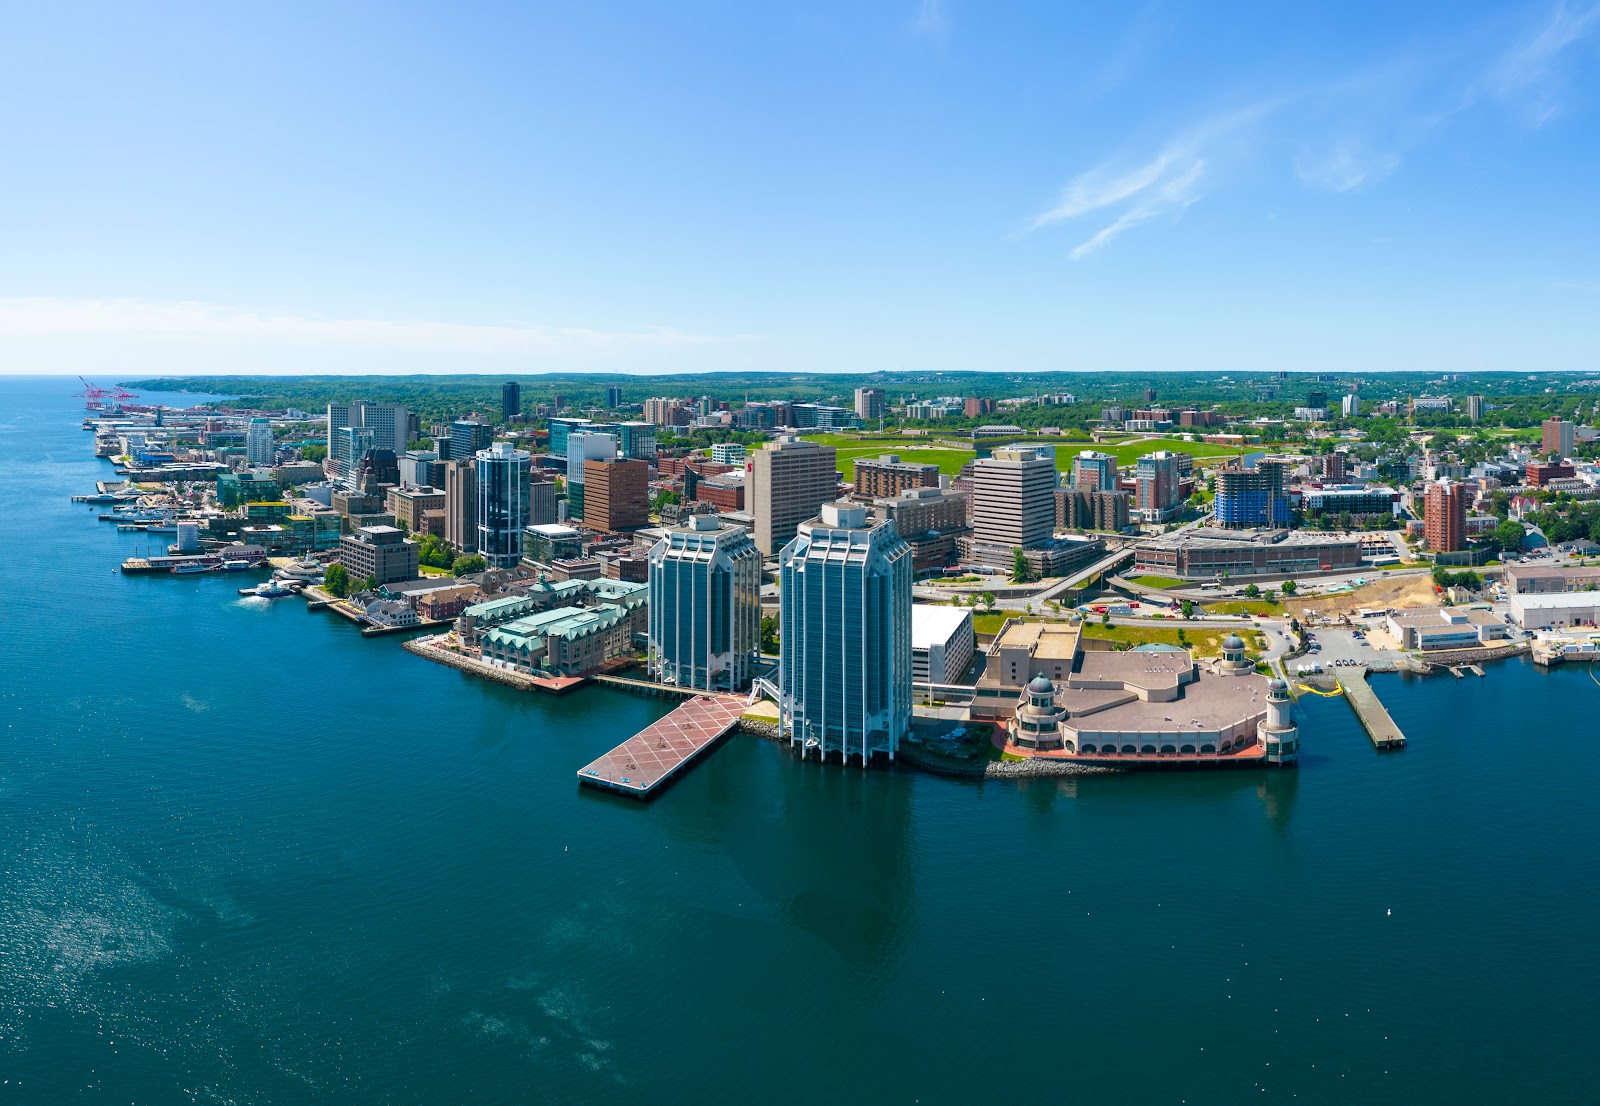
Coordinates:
x,y
1234,662
1037,724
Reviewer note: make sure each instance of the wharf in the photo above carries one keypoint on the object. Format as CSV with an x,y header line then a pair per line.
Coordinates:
x,y
652,758
1374,719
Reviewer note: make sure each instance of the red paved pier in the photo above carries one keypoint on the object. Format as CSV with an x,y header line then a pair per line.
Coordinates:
x,y
652,757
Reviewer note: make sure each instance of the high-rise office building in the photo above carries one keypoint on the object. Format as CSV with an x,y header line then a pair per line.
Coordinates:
x,y
845,624
705,606
541,500
1013,498
461,505
1445,517
1556,436
258,442
616,494
613,397
790,479
390,424
1350,406
1476,406
348,445
560,429
581,448
467,436
502,476
869,403
510,400
1093,471
1158,481
420,468
637,441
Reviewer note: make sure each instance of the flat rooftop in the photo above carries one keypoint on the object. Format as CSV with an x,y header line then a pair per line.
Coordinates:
x,y
932,625
1218,538
1209,704
1050,640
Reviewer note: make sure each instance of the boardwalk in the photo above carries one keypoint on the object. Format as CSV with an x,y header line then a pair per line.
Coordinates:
x,y
651,758
1379,726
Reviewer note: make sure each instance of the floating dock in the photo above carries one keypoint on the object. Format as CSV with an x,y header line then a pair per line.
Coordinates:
x,y
1374,719
652,758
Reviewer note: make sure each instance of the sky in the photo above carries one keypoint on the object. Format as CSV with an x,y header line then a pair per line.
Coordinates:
x,y
799,187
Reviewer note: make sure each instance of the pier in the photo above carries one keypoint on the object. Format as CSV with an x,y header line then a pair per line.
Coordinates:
x,y
652,758
1374,719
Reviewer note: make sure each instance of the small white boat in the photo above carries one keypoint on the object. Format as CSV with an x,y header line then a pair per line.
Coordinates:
x,y
235,566
272,590
186,569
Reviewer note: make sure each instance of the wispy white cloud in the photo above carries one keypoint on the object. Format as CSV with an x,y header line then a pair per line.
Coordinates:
x,y
1165,184
1340,135
933,19
46,317
1531,70
1344,167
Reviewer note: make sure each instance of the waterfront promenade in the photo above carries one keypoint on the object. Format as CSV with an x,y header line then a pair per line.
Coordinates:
x,y
1381,729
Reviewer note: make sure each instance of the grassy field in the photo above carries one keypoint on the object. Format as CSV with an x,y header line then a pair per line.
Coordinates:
x,y
1160,581
1245,606
948,460
1204,641
1127,454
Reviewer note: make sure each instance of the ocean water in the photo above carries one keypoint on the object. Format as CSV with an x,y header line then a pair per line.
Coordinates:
x,y
247,856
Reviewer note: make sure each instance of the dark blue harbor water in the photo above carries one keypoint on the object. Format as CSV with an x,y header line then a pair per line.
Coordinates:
x,y
248,857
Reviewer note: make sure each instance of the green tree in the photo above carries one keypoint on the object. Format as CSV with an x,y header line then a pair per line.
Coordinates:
x,y
769,634
1105,618
1508,535
370,584
465,565
1290,587
988,600
1251,591
336,581
1019,566
1187,606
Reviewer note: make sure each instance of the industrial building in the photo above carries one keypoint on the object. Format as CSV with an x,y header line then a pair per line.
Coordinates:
x,y
1429,628
1210,553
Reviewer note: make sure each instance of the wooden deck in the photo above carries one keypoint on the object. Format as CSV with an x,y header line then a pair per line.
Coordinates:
x,y
1374,719
650,759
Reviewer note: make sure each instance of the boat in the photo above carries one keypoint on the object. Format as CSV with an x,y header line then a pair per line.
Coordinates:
x,y
236,566
190,567
272,589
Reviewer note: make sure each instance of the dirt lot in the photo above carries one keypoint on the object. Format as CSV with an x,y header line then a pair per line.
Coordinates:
x,y
1399,592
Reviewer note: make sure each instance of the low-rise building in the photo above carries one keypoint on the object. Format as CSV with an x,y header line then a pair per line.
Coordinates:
x,y
1550,610
1428,628
1204,554
942,643
551,542
1551,579
409,504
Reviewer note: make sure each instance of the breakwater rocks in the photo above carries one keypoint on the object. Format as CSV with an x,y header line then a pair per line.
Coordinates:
x,y
768,731
979,768
1445,658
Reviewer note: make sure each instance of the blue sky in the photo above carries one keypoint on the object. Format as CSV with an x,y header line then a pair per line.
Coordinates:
x,y
799,187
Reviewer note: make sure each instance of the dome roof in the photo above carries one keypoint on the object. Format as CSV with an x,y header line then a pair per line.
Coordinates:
x,y
1041,685
1276,684
1232,641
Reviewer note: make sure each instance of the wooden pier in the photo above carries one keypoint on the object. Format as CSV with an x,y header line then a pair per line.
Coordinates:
x,y
1374,719
652,758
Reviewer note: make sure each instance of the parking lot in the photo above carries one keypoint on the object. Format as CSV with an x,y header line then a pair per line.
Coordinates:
x,y
1337,648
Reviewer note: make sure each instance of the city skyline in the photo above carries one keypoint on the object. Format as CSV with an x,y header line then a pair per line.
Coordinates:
x,y
1346,189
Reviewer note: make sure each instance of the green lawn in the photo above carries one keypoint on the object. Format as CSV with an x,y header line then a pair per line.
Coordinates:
x,y
1160,581
1202,642
989,622
1126,455
1243,606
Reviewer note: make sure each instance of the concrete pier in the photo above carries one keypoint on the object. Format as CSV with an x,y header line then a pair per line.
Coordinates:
x,y
1374,719
652,758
